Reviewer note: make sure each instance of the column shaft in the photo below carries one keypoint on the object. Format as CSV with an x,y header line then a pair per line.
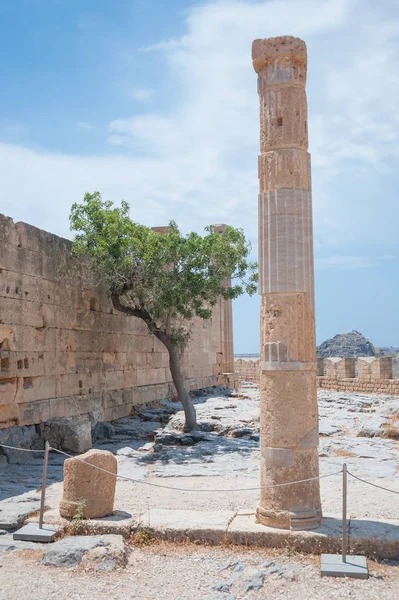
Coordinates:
x,y
288,384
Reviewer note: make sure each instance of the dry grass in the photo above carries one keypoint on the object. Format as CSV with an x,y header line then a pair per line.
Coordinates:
x,y
343,453
391,432
143,537
391,427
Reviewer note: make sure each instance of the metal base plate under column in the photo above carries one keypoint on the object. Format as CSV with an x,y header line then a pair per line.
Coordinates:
x,y
332,565
32,533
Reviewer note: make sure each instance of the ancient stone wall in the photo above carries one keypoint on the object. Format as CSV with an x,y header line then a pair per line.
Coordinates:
x,y
374,375
64,350
247,369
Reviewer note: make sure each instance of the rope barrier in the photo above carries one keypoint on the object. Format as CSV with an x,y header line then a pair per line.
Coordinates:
x,y
178,489
168,487
373,484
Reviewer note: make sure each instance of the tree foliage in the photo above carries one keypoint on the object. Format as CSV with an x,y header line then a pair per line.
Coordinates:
x,y
172,277
165,279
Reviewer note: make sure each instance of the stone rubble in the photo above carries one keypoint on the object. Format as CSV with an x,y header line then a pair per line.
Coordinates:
x,y
101,552
243,578
72,434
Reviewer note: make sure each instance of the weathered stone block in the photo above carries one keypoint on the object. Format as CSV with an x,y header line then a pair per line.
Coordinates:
x,y
20,437
283,118
372,368
89,492
340,368
7,231
69,434
8,390
8,415
16,259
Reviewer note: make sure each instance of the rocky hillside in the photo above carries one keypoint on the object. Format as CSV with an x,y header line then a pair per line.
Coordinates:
x,y
347,345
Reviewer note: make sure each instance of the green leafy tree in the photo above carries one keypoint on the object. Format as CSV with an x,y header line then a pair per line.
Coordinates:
x,y
164,279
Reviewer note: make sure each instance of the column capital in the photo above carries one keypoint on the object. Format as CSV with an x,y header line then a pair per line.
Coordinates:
x,y
162,230
281,59
220,228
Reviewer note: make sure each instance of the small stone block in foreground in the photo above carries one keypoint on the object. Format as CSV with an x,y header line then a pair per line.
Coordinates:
x,y
332,565
118,523
89,493
105,552
33,533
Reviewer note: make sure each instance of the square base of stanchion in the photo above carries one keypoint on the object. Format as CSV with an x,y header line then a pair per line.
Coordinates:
x,y
332,565
32,533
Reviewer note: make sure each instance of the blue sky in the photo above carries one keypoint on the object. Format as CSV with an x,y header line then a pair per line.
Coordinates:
x,y
155,102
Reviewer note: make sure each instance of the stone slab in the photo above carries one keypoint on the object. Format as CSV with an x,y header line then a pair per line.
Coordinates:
x,y
14,511
119,523
204,526
244,530
33,533
355,566
378,539
8,544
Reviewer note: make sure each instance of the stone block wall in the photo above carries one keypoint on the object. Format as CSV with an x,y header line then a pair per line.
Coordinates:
x,y
340,368
374,375
247,369
370,368
64,350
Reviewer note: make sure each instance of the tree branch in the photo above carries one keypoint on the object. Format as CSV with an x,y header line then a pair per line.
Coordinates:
x,y
128,310
144,316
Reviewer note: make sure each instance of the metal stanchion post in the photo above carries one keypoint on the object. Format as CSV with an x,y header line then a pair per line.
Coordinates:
x,y
44,483
339,565
33,532
344,499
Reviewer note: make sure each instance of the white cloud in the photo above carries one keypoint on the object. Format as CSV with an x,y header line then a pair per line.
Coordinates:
x,y
196,161
142,94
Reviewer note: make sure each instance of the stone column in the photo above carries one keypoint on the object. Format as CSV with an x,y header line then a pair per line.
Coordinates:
x,y
226,323
288,383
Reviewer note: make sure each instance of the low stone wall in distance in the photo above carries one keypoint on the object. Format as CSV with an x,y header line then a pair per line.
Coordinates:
x,y
247,369
374,375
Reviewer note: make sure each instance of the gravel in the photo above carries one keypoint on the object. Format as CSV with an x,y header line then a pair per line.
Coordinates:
x,y
186,572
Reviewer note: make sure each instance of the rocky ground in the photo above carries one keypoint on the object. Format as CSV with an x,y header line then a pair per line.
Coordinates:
x,y
164,571
222,455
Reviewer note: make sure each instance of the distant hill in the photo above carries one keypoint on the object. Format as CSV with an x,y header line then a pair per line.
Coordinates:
x,y
347,345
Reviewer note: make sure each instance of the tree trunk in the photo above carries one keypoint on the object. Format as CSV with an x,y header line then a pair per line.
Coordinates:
x,y
182,394
174,359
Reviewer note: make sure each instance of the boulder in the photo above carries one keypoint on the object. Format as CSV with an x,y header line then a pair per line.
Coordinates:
x,y
19,437
89,493
101,552
71,434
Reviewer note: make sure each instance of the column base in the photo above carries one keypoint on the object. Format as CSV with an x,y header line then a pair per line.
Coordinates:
x,y
299,520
